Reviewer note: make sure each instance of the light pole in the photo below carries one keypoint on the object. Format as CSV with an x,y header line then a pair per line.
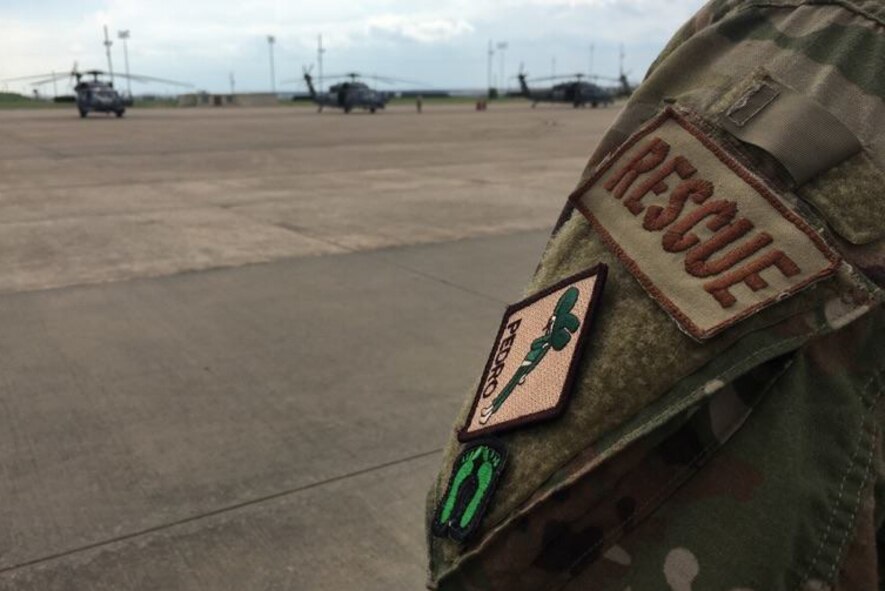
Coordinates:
x,y
124,35
502,48
107,47
592,51
491,55
320,52
273,79
232,85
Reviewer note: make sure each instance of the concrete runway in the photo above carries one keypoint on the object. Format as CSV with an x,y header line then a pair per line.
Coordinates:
x,y
234,340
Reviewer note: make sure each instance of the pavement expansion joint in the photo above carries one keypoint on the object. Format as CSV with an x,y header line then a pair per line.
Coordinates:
x,y
442,281
401,266
216,512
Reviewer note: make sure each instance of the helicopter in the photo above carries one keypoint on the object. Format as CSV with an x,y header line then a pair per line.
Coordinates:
x,y
98,95
348,95
575,91
624,88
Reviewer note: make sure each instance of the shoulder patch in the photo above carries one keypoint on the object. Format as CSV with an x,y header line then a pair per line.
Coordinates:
x,y
475,475
532,364
707,238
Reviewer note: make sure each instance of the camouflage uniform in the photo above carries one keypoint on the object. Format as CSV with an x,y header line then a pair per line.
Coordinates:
x,y
750,460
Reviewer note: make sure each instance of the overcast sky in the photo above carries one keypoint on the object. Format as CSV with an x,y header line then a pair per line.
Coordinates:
x,y
440,42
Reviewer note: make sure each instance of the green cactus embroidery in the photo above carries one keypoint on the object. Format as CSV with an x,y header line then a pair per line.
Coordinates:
x,y
557,334
473,481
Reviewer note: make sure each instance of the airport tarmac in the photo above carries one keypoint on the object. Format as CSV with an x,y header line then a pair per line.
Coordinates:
x,y
234,340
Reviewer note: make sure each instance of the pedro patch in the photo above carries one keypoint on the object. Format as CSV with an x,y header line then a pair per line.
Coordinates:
x,y
706,237
533,361
474,477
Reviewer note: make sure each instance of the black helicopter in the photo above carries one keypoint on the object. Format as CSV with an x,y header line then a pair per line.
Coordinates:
x,y
575,91
348,95
98,95
623,89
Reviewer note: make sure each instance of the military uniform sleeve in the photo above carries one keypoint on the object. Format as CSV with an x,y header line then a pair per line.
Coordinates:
x,y
722,429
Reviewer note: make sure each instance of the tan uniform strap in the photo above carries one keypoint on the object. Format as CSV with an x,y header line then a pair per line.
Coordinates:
x,y
795,129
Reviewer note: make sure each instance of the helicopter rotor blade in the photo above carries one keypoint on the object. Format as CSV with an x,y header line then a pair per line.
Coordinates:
x,y
391,80
48,80
134,77
146,79
49,75
351,75
578,76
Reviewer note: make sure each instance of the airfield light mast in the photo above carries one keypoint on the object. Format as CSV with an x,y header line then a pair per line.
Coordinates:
x,y
621,64
232,84
107,48
124,35
273,79
502,49
489,75
592,51
320,52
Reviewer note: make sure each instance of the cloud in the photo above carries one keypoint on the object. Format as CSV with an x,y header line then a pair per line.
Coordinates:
x,y
442,41
420,29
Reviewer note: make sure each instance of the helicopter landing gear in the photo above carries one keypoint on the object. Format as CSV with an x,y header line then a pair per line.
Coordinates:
x,y
83,113
347,109
372,110
119,113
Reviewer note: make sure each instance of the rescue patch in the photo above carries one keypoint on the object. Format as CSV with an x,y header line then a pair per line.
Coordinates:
x,y
475,475
706,237
532,364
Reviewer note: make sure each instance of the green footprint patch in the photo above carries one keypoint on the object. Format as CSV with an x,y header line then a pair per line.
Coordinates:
x,y
474,477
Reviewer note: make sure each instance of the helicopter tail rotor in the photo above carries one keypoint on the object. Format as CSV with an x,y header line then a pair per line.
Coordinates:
x,y
523,83
308,79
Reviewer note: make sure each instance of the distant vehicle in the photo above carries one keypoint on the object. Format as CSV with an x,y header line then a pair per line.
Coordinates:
x,y
96,95
352,93
574,91
348,95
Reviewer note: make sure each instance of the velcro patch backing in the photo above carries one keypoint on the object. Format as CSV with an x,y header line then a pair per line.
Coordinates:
x,y
532,364
706,237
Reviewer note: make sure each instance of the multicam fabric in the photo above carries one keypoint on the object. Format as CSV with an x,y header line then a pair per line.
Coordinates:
x,y
751,460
